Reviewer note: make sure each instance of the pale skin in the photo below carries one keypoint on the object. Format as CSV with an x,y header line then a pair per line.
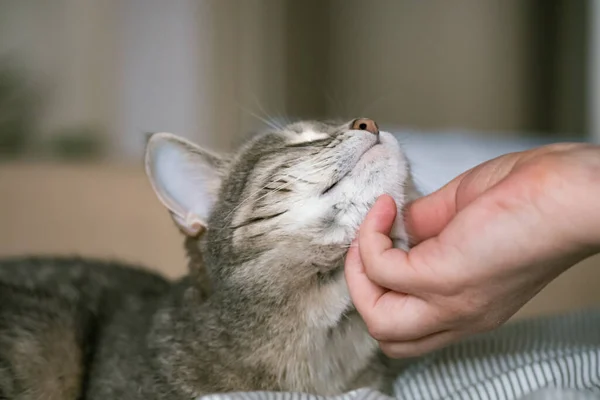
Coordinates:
x,y
484,245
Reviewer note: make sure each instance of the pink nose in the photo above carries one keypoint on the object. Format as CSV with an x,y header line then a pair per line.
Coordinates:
x,y
365,124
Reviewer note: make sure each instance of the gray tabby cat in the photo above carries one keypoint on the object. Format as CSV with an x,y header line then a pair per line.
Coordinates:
x,y
265,305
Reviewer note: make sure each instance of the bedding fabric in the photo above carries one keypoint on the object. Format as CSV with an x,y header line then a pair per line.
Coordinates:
x,y
544,358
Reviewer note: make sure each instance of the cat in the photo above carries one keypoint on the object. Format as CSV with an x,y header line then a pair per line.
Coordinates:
x,y
265,304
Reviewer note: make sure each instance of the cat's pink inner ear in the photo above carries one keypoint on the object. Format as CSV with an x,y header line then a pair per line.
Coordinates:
x,y
185,179
191,226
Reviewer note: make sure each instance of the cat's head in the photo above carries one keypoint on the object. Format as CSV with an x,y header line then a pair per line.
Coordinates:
x,y
298,193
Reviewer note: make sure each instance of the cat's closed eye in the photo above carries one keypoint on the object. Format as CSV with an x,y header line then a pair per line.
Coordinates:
x,y
280,185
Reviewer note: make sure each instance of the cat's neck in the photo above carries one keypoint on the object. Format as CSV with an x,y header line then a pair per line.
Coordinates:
x,y
312,341
235,344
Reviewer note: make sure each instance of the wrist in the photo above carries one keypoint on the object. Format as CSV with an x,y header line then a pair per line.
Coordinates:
x,y
585,184
568,176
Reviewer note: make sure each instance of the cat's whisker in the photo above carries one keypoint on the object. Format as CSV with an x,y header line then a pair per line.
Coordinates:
x,y
266,121
316,170
319,167
271,120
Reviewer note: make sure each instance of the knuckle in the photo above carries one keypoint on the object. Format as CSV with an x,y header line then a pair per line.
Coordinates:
x,y
379,275
451,288
369,264
378,327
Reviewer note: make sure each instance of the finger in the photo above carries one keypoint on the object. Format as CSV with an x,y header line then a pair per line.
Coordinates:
x,y
383,264
363,291
392,270
398,317
388,315
416,348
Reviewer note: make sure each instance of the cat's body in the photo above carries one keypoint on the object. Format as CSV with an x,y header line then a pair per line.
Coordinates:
x,y
62,320
72,327
265,306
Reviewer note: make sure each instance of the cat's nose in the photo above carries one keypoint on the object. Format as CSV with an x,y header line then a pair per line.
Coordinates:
x,y
365,124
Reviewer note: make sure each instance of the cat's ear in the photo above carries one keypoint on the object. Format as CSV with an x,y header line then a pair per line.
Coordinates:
x,y
186,179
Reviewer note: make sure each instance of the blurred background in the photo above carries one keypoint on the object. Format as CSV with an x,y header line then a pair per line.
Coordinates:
x,y
82,82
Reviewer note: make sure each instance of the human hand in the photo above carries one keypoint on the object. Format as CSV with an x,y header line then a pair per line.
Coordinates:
x,y
484,245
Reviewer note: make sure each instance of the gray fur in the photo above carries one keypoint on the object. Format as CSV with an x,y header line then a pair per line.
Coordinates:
x,y
264,307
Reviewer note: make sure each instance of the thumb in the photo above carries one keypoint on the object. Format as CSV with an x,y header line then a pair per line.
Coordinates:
x,y
385,266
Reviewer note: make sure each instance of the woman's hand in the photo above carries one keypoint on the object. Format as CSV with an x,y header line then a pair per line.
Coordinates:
x,y
484,245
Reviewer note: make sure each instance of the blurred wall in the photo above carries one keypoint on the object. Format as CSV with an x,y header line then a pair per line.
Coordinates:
x,y
215,70
208,70
512,65
68,48
246,74
435,64
158,71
